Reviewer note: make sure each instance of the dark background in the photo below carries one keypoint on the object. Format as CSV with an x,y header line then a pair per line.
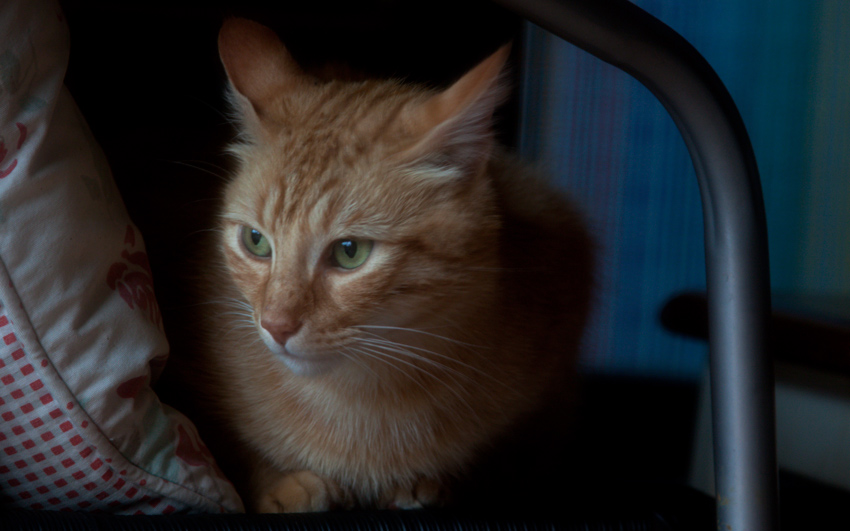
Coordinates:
x,y
148,79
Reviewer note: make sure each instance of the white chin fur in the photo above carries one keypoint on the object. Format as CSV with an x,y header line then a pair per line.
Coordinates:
x,y
295,360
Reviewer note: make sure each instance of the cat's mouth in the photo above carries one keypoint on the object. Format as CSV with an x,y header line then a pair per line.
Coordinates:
x,y
308,365
298,360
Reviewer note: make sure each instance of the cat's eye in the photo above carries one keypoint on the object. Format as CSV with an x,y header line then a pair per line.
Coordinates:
x,y
352,253
255,242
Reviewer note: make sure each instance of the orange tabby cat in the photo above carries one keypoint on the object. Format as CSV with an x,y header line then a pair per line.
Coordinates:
x,y
411,294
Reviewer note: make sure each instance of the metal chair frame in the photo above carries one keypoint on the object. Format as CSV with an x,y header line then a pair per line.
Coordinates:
x,y
738,279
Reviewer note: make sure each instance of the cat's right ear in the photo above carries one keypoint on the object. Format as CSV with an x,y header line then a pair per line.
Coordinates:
x,y
259,67
451,129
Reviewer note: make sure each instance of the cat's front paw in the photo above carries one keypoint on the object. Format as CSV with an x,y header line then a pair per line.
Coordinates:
x,y
425,493
300,492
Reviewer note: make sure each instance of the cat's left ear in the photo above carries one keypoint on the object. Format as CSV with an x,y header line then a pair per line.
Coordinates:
x,y
453,128
259,68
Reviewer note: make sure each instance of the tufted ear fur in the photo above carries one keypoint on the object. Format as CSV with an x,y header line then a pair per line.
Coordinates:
x,y
452,128
449,132
259,68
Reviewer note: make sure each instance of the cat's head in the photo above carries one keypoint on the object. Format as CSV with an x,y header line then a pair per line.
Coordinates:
x,y
358,208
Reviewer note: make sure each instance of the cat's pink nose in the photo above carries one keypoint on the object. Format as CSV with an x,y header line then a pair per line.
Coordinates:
x,y
281,328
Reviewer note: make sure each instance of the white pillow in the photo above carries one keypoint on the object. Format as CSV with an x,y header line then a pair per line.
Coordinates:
x,y
80,331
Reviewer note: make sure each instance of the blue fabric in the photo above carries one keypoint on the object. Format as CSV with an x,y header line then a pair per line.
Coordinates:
x,y
606,139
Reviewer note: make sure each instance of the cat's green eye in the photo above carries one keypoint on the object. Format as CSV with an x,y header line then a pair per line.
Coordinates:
x,y
256,243
350,254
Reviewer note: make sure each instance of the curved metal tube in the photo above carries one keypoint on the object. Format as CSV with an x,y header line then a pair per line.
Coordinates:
x,y
624,35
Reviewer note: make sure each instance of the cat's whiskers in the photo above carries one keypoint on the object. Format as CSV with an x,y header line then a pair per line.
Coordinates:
x,y
405,349
399,348
417,331
238,311
350,354
239,316
244,323
214,108
394,349
372,354
454,389
233,300
246,332
220,176
243,319
235,303
453,385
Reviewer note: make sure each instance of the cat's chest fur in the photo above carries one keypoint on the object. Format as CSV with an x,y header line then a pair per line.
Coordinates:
x,y
361,431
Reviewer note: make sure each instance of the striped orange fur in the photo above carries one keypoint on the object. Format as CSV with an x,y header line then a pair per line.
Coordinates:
x,y
379,385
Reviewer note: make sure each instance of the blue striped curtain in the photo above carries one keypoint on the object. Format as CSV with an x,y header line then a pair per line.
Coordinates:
x,y
606,139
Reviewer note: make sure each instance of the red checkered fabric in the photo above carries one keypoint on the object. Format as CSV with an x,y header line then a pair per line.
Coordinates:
x,y
47,461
